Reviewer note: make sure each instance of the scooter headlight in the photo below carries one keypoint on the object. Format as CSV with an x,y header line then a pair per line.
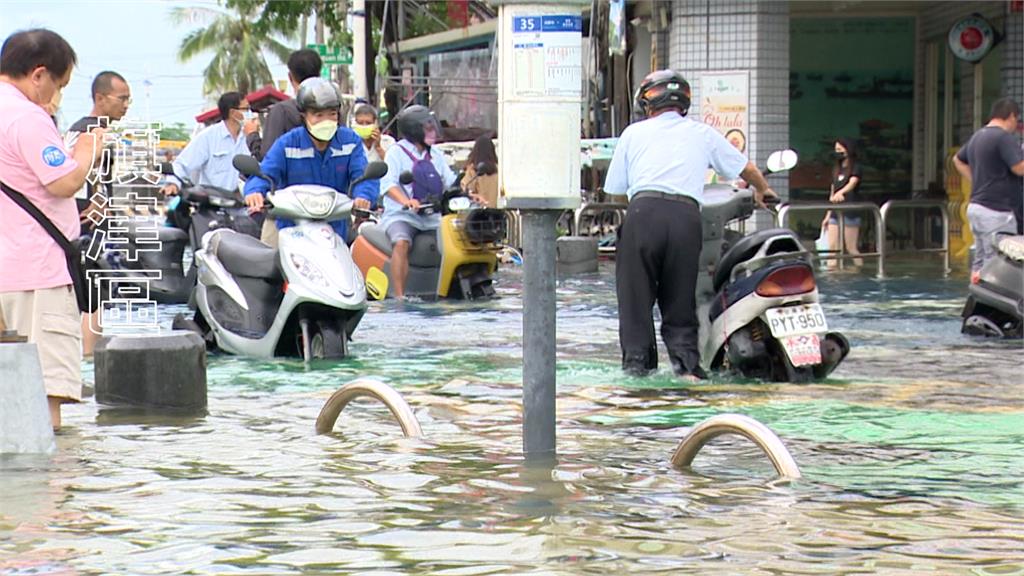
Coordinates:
x,y
308,270
319,204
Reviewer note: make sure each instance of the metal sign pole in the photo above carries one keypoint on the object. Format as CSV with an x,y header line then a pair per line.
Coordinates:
x,y
539,93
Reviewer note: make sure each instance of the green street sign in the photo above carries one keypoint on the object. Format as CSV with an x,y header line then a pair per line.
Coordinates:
x,y
336,55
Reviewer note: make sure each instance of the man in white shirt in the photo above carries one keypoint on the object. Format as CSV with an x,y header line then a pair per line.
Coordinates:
x,y
207,158
660,164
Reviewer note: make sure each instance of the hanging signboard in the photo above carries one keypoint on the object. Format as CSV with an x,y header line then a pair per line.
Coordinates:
x,y
971,38
725,104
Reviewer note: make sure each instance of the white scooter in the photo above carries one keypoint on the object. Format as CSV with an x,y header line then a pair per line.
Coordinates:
x,y
303,299
760,313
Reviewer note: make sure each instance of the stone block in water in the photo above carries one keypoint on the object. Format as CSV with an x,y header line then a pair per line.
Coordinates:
x,y
25,426
576,254
159,371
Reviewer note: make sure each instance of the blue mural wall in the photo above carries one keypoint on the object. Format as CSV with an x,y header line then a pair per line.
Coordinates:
x,y
852,77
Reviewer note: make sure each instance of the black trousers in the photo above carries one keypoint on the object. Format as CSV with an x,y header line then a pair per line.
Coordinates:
x,y
656,261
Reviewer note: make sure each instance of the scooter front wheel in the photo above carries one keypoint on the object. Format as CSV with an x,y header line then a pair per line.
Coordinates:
x,y
328,340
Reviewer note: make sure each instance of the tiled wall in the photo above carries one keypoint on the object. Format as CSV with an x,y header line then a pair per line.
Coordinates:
x,y
1013,57
728,35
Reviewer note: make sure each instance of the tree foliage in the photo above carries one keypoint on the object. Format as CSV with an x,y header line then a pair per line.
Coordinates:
x,y
237,46
287,14
175,131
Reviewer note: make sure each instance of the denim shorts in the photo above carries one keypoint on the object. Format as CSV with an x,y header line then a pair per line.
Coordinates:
x,y
401,231
848,220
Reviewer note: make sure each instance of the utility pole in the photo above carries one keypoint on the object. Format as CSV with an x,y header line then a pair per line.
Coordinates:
x,y
359,70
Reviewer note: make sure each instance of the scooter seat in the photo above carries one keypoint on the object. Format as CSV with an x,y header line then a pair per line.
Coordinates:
x,y
1012,247
744,250
243,255
376,236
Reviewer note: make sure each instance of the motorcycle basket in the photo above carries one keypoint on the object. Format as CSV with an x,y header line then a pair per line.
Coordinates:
x,y
484,225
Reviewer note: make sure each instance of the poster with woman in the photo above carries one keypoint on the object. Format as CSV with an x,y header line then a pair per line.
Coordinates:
x,y
724,105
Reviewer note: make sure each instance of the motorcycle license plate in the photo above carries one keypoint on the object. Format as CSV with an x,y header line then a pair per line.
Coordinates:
x,y
803,350
796,320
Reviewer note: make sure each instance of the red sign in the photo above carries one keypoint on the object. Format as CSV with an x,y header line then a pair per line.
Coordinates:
x,y
971,38
458,13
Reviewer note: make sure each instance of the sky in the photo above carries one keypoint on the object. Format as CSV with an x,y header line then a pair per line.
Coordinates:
x,y
135,38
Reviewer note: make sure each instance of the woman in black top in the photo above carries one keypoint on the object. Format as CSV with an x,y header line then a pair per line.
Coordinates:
x,y
846,177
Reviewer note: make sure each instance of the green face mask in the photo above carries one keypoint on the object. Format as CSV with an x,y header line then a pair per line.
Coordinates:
x,y
324,131
364,130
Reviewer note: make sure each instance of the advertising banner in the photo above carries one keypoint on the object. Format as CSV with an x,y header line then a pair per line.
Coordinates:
x,y
725,103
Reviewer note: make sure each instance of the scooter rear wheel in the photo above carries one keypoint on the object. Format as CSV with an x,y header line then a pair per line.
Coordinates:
x,y
783,370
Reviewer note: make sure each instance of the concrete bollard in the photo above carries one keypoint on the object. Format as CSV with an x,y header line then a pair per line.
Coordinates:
x,y
576,254
159,371
25,426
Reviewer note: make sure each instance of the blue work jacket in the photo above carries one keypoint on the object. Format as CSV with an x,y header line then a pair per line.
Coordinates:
x,y
293,159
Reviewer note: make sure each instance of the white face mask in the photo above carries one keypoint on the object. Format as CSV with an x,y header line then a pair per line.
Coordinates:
x,y
324,130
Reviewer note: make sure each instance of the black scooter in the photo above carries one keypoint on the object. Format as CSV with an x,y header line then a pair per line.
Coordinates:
x,y
161,272
995,304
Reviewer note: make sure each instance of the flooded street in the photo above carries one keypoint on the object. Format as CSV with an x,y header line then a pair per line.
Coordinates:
x,y
911,455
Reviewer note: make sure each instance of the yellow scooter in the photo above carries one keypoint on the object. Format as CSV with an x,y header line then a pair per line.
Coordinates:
x,y
458,260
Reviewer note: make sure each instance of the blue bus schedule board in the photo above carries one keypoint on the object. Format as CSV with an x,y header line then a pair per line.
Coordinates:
x,y
548,56
547,24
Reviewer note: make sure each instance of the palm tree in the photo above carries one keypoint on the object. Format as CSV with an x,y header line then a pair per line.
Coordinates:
x,y
238,62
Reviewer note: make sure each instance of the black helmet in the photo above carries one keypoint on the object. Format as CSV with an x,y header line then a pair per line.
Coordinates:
x,y
663,89
413,121
318,94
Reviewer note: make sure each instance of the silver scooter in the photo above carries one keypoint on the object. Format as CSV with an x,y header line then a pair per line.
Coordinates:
x,y
304,298
759,308
995,305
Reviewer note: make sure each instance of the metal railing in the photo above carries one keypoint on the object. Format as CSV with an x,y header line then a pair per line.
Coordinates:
x,y
943,211
374,389
744,426
782,220
617,208
881,216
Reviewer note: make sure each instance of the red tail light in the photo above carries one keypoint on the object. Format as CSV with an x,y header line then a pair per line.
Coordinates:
x,y
787,281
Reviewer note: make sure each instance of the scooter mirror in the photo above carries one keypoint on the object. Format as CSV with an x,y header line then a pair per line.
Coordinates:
x,y
486,169
781,160
247,165
459,203
375,170
405,178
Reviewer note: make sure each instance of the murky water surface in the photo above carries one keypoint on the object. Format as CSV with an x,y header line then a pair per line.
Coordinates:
x,y
912,454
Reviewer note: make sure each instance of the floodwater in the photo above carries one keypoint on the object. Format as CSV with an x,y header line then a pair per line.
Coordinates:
x,y
911,454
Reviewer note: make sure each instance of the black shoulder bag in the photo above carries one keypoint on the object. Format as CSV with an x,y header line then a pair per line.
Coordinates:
x,y
72,253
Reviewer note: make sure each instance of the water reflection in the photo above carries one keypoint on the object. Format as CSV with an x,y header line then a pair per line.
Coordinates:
x,y
911,456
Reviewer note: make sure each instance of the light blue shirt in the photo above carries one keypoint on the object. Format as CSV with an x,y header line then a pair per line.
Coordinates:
x,y
671,154
398,162
206,160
